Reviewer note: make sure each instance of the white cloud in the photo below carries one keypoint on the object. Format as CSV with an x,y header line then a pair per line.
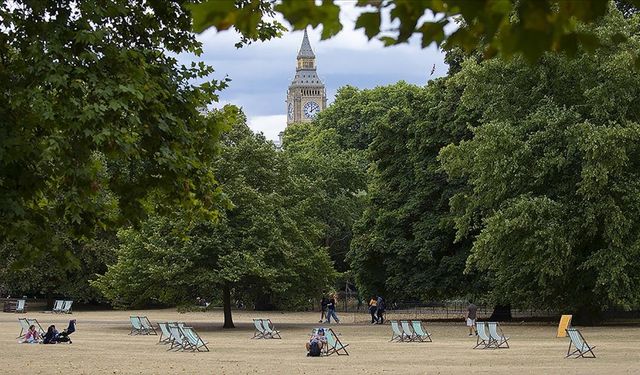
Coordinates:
x,y
261,72
270,126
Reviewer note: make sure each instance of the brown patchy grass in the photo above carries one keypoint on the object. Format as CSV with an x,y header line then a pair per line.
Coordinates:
x,y
102,345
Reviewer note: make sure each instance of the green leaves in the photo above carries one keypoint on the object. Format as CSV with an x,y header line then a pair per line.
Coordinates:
x,y
496,28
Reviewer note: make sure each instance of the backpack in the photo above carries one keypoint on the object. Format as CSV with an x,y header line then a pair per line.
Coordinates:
x,y
314,349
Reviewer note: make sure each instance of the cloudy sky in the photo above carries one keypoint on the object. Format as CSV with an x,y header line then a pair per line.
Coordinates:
x,y
261,72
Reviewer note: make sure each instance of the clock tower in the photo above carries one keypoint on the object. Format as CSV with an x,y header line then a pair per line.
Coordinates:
x,y
306,95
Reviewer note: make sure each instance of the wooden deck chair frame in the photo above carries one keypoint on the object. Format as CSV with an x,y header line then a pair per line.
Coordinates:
x,y
500,340
483,339
164,332
136,326
24,327
195,340
21,306
335,347
408,332
582,348
147,326
35,323
420,334
259,333
270,330
57,306
396,332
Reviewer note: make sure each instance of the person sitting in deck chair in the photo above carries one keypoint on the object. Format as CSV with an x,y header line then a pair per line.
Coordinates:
x,y
32,336
316,343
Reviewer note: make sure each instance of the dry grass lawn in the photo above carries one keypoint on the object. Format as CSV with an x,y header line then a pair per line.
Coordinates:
x,y
102,345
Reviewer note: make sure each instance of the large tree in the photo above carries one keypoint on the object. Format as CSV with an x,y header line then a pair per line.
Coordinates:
x,y
553,177
264,248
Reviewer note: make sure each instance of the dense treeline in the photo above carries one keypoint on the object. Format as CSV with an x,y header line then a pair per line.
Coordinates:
x,y
513,182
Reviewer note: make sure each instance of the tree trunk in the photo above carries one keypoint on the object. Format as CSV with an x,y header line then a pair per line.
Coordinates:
x,y
501,313
226,302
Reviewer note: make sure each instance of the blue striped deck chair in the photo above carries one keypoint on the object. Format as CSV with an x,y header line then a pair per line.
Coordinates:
x,y
498,337
420,334
582,349
483,339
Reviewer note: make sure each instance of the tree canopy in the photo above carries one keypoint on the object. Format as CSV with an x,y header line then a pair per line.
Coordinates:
x,y
264,249
497,27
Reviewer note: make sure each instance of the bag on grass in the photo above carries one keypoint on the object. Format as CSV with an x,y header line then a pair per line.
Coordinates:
x,y
314,349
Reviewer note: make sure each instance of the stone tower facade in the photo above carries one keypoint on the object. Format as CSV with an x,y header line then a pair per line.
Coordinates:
x,y
306,95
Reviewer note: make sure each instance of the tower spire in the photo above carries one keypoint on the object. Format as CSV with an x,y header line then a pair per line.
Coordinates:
x,y
305,49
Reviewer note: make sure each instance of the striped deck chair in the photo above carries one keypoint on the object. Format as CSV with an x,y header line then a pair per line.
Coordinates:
x,y
582,349
21,307
35,323
24,327
333,343
259,333
196,343
420,334
483,339
396,332
408,333
66,307
178,339
147,326
498,337
136,326
269,330
57,306
165,335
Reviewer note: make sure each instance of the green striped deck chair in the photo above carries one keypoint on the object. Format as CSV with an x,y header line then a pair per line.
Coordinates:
x,y
196,343
259,333
334,345
147,326
420,334
396,332
269,330
165,335
408,333
136,326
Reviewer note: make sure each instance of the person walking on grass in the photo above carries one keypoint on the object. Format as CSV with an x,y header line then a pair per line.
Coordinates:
x,y
331,310
472,311
323,308
373,309
380,309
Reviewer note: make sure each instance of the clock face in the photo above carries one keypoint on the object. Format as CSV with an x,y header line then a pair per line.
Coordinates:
x,y
311,109
290,110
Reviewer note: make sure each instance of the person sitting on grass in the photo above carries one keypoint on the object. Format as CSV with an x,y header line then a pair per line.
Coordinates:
x,y
32,336
50,336
316,343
